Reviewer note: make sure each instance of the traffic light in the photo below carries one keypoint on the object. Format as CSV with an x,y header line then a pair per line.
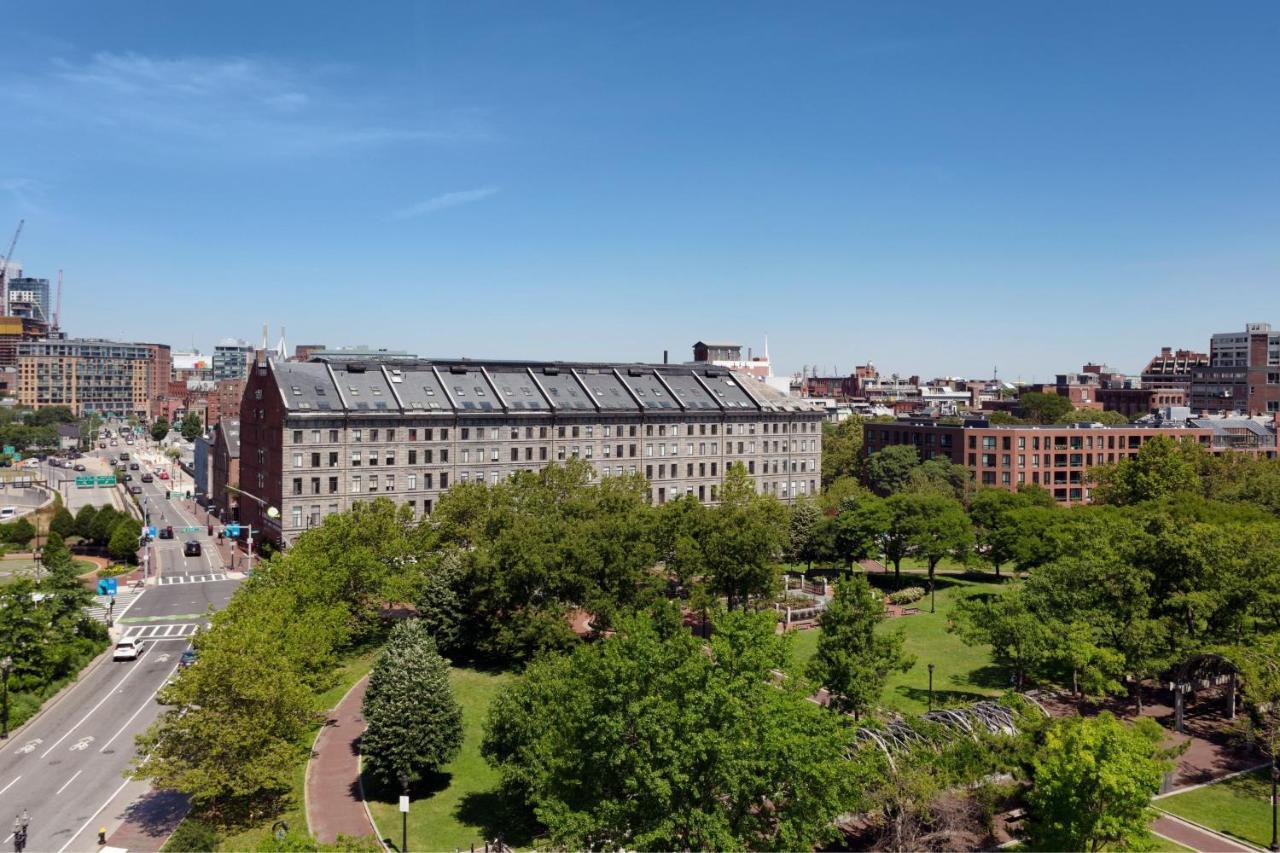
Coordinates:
x,y
166,495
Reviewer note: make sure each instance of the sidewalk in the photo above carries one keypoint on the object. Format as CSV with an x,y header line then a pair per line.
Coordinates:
x,y
1191,835
335,801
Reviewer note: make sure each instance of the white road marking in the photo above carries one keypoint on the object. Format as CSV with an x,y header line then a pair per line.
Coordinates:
x,y
29,747
141,708
83,743
109,694
7,787
93,816
68,782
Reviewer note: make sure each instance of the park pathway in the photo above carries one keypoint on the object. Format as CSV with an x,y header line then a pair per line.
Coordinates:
x,y
335,801
1196,837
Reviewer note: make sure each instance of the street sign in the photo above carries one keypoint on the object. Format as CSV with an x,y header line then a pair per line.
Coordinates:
x,y
9,450
231,530
108,480
191,530
85,482
404,804
151,531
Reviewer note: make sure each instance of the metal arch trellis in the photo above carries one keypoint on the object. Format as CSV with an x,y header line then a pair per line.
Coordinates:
x,y
967,720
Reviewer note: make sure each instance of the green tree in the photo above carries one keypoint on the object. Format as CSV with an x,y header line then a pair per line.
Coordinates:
x,y
997,534
744,538
63,522
859,529
1019,638
230,739
1096,416
1160,469
852,660
191,427
104,523
19,532
931,526
84,521
941,477
1093,781
841,450
805,532
888,471
160,428
123,544
1043,408
413,724
651,739
68,595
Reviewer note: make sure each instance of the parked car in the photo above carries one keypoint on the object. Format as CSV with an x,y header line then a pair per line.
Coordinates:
x,y
8,512
127,649
191,549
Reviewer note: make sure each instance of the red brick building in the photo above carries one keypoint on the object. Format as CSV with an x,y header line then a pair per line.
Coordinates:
x,y
1057,458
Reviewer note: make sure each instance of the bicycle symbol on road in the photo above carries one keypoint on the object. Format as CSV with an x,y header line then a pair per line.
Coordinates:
x,y
83,743
30,746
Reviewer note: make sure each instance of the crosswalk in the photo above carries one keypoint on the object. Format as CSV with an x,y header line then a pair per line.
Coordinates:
x,y
172,579
101,603
170,631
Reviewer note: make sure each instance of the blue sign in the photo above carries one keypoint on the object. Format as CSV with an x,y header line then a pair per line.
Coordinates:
x,y
232,530
151,531
107,586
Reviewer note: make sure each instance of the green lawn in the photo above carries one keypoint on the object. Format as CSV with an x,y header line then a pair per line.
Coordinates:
x,y
461,807
11,570
962,673
1239,807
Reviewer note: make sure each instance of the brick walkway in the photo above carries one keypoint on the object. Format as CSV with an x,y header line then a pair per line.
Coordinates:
x,y
1190,835
149,822
334,802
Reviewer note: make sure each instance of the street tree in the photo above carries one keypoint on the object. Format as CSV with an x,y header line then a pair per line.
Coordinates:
x,y
1092,783
84,521
191,427
160,428
853,660
123,544
651,739
841,450
413,724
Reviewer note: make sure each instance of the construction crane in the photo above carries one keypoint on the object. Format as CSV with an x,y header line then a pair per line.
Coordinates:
x,y
57,311
4,268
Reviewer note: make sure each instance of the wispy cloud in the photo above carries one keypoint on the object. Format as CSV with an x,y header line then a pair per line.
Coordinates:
x,y
25,193
223,106
444,201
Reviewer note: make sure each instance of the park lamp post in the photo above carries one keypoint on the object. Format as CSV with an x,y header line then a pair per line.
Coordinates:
x,y
6,664
404,812
931,687
1275,777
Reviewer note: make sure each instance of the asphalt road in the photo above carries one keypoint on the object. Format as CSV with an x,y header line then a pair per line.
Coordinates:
x,y
67,767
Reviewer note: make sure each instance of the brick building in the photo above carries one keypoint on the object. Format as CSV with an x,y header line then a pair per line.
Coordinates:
x,y
1243,375
225,469
1057,458
319,436
1172,369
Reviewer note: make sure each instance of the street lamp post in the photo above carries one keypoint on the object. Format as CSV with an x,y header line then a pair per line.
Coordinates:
x,y
5,664
1275,776
930,687
404,813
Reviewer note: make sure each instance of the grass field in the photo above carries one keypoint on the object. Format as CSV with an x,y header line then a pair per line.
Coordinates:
x,y
460,807
962,673
1239,807
10,570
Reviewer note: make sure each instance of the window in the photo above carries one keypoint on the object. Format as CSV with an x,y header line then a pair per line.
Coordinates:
x,y
373,435
391,482
333,485
391,435
357,435
355,458
315,436
373,482
297,516
297,485
355,483
391,457
297,436
444,480
413,457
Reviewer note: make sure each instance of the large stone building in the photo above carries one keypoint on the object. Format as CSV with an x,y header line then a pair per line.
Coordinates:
x,y
1059,457
1243,375
319,436
89,375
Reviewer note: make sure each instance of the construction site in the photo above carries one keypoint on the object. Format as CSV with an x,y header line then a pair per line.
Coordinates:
x,y
26,311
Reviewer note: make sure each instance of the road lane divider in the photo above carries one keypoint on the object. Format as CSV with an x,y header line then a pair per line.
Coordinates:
x,y
99,704
68,782
141,708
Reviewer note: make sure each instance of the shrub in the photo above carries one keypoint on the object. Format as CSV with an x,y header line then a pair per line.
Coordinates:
x,y
192,836
907,595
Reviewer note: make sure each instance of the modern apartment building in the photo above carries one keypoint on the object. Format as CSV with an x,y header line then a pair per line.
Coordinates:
x,y
1057,458
319,436
231,359
1243,375
1172,369
88,375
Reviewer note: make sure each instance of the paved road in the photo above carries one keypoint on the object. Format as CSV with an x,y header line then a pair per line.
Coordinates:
x,y
66,767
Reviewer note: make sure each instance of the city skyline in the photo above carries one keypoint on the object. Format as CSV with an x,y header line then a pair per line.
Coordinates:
x,y
935,190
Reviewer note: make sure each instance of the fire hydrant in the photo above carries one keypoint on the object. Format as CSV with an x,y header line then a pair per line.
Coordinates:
x,y
102,835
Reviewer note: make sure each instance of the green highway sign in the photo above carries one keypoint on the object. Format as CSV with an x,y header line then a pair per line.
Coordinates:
x,y
9,450
108,480
85,482
191,530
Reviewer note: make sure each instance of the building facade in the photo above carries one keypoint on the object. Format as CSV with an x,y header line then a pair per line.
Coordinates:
x,y
319,436
159,371
231,359
1057,458
89,376
225,470
1172,369
1243,375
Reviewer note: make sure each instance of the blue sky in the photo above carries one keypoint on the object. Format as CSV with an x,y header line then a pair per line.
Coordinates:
x,y
938,187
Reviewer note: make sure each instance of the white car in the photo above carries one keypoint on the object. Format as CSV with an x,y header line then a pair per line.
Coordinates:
x,y
127,649
8,512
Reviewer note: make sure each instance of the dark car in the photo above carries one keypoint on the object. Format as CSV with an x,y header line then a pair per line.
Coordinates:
x,y
165,532
80,467
147,478
135,489
128,478
191,549
188,657
133,466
